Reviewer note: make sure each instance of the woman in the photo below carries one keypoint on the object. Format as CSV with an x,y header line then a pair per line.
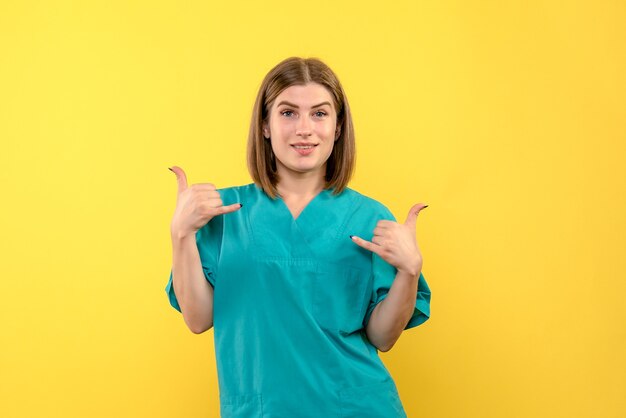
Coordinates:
x,y
302,278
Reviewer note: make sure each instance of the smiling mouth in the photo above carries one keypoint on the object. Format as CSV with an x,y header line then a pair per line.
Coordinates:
x,y
304,146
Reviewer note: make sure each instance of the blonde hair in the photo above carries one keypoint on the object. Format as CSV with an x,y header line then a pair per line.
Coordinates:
x,y
260,157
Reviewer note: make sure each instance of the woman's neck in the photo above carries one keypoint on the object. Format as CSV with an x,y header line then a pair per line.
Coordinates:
x,y
301,187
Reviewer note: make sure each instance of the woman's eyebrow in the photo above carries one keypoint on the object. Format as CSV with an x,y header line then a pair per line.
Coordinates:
x,y
296,106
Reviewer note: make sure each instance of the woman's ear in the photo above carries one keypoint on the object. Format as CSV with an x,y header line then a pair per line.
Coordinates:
x,y
266,132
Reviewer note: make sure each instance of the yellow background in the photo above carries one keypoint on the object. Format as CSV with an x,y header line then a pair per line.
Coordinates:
x,y
507,118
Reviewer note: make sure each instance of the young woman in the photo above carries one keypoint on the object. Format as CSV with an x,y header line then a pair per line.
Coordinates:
x,y
302,278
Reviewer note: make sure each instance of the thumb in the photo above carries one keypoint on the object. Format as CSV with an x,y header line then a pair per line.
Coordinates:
x,y
411,218
180,177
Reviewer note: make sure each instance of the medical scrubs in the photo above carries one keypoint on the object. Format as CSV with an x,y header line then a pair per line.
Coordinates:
x,y
291,301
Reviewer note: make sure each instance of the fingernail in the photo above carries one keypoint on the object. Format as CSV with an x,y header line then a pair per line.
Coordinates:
x,y
241,205
351,236
425,207
170,169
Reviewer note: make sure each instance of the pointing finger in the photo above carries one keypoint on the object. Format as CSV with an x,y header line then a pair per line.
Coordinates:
x,y
230,208
366,244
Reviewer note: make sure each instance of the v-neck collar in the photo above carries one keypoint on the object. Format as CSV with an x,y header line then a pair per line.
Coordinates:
x,y
307,208
277,235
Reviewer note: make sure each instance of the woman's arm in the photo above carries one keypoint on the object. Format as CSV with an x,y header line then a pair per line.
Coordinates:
x,y
392,314
396,244
193,291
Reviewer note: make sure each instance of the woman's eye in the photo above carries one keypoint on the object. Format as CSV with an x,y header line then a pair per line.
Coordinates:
x,y
320,113
286,111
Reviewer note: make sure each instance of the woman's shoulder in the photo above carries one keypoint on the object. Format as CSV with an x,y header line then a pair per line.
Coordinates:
x,y
244,188
239,189
234,194
368,203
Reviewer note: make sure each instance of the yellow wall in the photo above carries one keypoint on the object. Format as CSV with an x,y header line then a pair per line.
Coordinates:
x,y
507,118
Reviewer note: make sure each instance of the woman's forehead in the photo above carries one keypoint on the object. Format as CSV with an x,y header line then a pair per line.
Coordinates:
x,y
307,96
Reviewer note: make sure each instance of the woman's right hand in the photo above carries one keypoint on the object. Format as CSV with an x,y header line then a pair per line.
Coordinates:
x,y
196,205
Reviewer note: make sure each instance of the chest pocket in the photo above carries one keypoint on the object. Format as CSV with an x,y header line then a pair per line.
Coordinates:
x,y
341,295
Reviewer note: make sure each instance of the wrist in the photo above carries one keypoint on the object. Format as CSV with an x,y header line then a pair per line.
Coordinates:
x,y
179,235
413,271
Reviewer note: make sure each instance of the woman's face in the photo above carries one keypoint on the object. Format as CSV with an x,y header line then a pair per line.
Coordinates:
x,y
302,129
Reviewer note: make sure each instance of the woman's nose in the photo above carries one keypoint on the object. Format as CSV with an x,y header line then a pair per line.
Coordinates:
x,y
304,127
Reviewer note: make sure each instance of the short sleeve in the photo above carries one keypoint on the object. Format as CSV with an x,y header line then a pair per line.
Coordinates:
x,y
383,276
208,240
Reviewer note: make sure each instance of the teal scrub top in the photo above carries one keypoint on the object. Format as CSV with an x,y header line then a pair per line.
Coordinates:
x,y
291,301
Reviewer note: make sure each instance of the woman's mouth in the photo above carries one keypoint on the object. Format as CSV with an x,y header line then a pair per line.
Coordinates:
x,y
304,149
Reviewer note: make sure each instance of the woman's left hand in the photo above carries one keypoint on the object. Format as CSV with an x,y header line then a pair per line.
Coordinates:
x,y
396,243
